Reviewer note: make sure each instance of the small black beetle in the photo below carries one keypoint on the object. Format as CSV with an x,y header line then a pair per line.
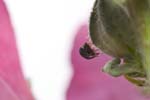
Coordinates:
x,y
87,52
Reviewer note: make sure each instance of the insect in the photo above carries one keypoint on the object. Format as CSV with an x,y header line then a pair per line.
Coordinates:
x,y
88,52
114,29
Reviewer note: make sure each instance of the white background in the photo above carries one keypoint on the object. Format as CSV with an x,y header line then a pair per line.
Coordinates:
x,y
44,31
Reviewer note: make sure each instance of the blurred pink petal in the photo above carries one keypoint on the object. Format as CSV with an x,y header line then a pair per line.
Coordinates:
x,y
88,83
13,86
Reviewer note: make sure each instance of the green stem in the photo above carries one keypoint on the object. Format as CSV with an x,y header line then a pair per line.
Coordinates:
x,y
146,46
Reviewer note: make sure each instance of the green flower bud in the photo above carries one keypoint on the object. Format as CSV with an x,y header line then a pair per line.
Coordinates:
x,y
121,29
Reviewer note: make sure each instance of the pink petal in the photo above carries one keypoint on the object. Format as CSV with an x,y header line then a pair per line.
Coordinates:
x,y
13,86
89,83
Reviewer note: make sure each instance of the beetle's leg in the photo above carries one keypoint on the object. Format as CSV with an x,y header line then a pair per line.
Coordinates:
x,y
114,68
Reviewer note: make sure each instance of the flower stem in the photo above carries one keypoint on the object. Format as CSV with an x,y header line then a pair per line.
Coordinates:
x,y
146,46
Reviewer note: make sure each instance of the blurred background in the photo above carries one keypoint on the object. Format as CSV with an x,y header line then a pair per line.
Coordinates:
x,y
45,30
